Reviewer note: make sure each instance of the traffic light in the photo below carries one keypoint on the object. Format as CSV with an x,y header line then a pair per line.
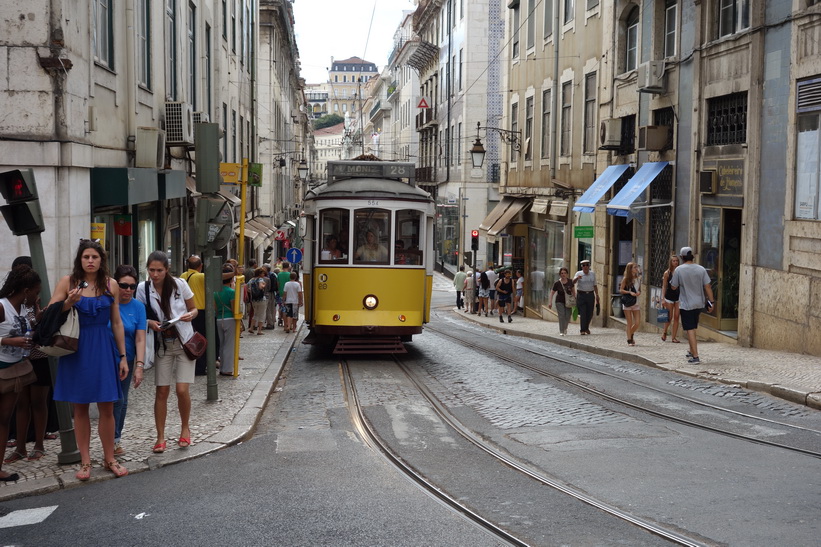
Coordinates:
x,y
215,223
22,212
474,240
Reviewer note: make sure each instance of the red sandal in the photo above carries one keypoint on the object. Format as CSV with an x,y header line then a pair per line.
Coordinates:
x,y
159,448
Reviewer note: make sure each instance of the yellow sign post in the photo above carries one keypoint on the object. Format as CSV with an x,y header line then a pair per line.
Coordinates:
x,y
243,182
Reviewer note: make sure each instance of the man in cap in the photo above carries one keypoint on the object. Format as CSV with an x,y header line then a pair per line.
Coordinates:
x,y
587,295
694,282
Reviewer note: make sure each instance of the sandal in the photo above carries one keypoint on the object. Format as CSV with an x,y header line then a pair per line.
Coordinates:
x,y
16,456
84,473
11,477
159,448
675,341
664,337
36,454
184,442
116,468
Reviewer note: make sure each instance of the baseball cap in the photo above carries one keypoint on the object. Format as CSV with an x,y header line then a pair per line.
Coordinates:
x,y
685,251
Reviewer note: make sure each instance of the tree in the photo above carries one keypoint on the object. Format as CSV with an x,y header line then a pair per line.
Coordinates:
x,y
328,120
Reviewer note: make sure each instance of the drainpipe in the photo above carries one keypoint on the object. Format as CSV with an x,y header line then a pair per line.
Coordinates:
x,y
131,68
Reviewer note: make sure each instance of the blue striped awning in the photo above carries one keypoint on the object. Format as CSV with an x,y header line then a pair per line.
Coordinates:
x,y
620,205
587,203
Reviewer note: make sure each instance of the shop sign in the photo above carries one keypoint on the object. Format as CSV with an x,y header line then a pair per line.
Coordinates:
x,y
230,172
583,232
730,174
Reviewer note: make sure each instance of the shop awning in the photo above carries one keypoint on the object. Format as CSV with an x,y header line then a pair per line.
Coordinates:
x,y
539,206
587,203
121,186
261,228
516,206
496,213
620,205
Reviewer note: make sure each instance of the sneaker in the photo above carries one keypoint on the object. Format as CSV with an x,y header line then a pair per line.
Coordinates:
x,y
118,449
688,355
693,360
509,319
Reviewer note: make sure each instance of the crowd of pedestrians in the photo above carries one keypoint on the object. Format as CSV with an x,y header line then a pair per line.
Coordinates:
x,y
126,325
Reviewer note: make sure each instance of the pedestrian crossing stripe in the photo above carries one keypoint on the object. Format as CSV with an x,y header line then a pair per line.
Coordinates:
x,y
24,517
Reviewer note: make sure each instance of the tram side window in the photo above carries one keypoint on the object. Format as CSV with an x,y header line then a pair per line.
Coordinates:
x,y
372,234
406,247
334,236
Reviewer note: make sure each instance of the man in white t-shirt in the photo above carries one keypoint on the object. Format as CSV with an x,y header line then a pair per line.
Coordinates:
x,y
493,277
293,301
694,282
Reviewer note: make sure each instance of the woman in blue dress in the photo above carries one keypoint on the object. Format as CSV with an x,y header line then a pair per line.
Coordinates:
x,y
93,373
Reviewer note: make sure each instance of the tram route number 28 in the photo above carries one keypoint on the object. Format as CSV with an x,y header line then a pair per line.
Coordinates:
x,y
323,282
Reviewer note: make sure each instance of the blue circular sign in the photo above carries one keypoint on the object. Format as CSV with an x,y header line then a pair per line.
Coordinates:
x,y
294,255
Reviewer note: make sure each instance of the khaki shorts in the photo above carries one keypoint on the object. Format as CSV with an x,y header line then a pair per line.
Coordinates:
x,y
172,365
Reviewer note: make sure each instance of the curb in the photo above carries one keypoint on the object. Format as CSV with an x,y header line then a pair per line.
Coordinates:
x,y
809,399
239,430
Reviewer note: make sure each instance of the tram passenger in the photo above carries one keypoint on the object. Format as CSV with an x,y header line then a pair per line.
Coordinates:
x,y
331,250
372,250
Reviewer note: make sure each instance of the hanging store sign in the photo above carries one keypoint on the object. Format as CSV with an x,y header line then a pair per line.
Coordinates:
x,y
230,172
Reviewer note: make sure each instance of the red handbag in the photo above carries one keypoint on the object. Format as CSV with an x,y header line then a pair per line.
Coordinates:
x,y
195,346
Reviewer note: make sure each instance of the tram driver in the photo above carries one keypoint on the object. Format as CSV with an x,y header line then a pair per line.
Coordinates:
x,y
372,250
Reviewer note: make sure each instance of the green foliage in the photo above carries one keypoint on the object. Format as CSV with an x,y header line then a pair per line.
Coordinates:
x,y
327,121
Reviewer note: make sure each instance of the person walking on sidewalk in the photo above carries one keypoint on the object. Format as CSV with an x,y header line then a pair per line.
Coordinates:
x,y
492,278
470,292
520,290
224,300
293,301
484,293
283,277
504,290
459,285
670,298
630,300
694,282
587,295
563,288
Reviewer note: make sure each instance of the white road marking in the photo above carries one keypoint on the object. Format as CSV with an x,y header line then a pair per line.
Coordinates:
x,y
24,517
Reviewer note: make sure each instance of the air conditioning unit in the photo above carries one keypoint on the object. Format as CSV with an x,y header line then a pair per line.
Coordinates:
x,y
707,182
654,137
179,124
610,134
150,148
651,77
201,117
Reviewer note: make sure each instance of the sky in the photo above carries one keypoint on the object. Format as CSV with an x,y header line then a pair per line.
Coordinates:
x,y
338,29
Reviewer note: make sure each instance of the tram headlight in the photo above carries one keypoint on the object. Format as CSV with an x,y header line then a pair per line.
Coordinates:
x,y
402,318
370,302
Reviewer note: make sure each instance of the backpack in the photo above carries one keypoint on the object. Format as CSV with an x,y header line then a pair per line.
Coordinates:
x,y
257,293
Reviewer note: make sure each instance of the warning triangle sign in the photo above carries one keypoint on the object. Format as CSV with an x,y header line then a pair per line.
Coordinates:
x,y
423,103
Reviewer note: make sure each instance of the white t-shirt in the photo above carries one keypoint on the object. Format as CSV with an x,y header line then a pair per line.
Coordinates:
x,y
178,305
292,291
15,325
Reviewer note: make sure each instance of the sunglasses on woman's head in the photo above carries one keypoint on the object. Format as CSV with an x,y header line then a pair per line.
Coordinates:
x,y
132,286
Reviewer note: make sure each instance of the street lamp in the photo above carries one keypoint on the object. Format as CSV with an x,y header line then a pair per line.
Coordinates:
x,y
477,153
302,169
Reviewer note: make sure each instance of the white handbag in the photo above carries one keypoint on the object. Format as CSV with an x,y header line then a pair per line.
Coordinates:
x,y
65,340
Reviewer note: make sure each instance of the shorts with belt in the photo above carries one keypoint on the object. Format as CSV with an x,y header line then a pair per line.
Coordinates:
x,y
584,292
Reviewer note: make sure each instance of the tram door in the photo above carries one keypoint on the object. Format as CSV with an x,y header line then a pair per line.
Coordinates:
x,y
720,254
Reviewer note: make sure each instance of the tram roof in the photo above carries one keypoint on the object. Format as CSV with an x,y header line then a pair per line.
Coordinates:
x,y
354,179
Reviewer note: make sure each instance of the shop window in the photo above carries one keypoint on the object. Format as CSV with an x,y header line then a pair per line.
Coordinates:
x,y
333,230
372,236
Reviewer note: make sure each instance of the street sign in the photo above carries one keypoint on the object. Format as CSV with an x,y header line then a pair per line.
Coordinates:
x,y
582,232
294,255
423,103
280,235
230,172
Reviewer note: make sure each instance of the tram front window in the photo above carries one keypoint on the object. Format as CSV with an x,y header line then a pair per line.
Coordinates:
x,y
334,234
406,246
372,232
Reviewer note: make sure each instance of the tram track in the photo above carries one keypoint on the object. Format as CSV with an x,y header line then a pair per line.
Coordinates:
x,y
506,357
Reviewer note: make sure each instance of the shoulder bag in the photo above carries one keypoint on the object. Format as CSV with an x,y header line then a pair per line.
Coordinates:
x,y
195,346
569,298
628,300
65,340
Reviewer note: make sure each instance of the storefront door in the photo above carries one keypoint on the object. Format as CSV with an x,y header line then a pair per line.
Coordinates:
x,y
720,254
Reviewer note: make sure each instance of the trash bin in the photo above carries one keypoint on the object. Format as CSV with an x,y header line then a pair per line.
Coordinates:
x,y
615,304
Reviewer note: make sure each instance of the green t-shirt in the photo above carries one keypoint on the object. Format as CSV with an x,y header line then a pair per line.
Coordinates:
x,y
282,279
223,299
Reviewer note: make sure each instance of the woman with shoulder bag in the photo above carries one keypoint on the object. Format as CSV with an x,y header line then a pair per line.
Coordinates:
x,y
565,293
629,300
168,298
22,286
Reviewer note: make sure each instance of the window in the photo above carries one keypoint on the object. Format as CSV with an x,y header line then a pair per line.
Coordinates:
x,y
334,228
143,37
531,26
103,30
569,10
461,57
670,28
171,49
234,134
514,128
528,136
241,138
733,16
590,113
406,245
808,150
631,41
547,107
371,236
225,129
727,119
548,18
459,144
567,120
234,26
225,20
192,55
515,31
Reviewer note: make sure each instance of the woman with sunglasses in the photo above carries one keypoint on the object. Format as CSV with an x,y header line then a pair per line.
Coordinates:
x,y
132,313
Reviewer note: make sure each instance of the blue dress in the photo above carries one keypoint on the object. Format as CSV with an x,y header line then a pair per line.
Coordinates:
x,y
91,374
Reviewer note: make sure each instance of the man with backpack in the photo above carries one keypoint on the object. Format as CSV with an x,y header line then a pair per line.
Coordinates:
x,y
257,289
272,298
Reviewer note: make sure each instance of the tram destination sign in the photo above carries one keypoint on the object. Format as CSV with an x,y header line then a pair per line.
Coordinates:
x,y
370,169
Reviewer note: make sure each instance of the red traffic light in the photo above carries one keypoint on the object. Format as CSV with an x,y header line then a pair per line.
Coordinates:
x,y
474,233
17,186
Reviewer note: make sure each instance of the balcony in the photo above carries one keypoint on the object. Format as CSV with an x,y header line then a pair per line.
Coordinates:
x,y
425,174
426,117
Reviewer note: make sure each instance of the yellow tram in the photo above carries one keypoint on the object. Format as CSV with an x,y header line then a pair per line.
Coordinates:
x,y
368,257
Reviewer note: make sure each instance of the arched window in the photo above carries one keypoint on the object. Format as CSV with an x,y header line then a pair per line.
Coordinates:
x,y
631,40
